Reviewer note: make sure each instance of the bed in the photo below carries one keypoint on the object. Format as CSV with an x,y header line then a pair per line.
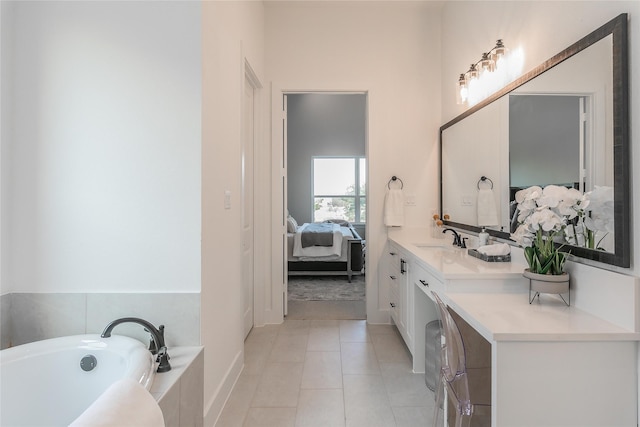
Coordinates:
x,y
343,255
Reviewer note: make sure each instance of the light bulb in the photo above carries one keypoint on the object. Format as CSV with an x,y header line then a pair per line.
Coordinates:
x,y
486,64
498,52
461,90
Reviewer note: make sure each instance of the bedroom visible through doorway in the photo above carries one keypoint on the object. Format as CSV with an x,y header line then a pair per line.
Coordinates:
x,y
326,205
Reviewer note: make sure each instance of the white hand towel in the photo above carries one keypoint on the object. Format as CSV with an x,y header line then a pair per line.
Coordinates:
x,y
487,212
497,249
124,403
394,208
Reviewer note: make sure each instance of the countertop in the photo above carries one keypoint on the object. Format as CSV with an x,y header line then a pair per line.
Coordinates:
x,y
504,316
510,317
446,261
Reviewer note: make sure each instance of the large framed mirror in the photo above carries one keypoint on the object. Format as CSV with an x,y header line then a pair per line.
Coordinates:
x,y
566,122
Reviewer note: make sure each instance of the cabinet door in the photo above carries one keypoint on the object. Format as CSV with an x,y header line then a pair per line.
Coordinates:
x,y
400,292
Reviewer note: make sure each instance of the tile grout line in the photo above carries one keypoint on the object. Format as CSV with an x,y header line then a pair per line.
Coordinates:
x,y
344,398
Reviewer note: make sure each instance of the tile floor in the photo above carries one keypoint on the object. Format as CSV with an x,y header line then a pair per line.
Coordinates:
x,y
327,373
321,310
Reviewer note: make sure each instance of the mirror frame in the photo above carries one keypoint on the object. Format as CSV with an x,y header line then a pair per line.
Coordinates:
x,y
622,235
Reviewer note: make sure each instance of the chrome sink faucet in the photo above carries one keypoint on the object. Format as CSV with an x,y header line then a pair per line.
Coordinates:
x,y
457,241
157,336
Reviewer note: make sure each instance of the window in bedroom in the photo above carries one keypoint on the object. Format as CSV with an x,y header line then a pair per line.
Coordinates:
x,y
339,189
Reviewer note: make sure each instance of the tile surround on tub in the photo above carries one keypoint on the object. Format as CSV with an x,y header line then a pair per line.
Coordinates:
x,y
170,406
192,393
36,316
180,392
28,317
180,313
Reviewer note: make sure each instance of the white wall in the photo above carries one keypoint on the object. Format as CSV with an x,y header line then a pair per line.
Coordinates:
x,y
232,33
388,50
6,43
542,29
103,189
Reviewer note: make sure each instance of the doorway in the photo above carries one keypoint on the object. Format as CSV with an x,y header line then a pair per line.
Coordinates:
x,y
326,169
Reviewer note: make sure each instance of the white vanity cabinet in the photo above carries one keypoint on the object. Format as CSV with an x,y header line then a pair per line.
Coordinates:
x,y
418,302
400,293
543,355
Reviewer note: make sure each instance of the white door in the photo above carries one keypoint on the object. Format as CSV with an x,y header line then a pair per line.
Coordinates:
x,y
247,205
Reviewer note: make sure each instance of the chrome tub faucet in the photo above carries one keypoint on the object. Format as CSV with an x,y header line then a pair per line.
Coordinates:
x,y
157,345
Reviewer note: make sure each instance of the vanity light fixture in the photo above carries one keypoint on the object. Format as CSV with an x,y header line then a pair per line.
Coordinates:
x,y
493,71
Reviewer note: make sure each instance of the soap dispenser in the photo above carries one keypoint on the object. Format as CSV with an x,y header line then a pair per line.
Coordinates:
x,y
483,237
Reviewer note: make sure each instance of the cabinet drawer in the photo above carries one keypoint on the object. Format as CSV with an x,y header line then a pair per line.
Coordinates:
x,y
426,281
393,304
394,259
394,280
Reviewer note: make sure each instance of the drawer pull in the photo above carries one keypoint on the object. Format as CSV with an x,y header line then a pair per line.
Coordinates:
x,y
392,304
393,253
402,264
424,283
393,277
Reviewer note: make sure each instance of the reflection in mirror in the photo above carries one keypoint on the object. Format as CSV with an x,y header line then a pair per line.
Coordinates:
x,y
474,149
545,140
564,123
556,131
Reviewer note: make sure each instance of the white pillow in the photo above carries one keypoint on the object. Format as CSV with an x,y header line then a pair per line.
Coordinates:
x,y
292,225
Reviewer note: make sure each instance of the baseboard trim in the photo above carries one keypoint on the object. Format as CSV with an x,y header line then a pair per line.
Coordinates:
x,y
214,407
379,318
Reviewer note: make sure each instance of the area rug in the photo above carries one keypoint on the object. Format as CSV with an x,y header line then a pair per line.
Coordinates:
x,y
326,288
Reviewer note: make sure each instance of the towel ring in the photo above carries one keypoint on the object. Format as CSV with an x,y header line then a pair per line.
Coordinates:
x,y
484,179
395,178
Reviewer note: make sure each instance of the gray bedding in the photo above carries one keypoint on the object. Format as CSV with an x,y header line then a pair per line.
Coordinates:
x,y
317,234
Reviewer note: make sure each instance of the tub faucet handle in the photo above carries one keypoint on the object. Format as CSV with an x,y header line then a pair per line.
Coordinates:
x,y
153,348
163,360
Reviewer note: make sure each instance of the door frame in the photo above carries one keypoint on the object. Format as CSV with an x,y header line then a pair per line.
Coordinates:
x,y
279,191
248,74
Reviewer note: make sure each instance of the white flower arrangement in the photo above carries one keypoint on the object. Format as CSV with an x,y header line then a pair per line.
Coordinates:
x,y
562,215
543,216
595,221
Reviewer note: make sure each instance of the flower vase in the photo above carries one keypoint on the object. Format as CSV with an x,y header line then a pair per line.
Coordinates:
x,y
547,284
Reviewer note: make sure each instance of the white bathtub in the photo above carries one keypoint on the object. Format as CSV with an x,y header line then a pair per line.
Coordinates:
x,y
43,383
